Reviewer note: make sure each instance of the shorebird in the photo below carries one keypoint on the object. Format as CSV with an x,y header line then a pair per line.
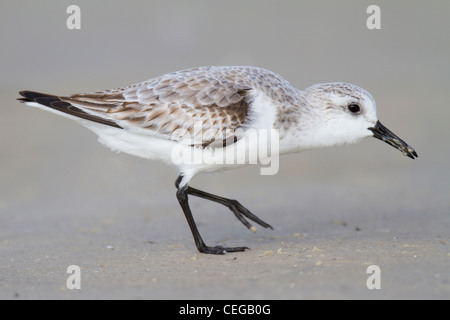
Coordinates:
x,y
145,120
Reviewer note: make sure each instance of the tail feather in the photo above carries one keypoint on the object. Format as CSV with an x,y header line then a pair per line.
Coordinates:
x,y
56,103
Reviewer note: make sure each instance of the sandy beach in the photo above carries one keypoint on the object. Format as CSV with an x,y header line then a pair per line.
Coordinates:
x,y
67,200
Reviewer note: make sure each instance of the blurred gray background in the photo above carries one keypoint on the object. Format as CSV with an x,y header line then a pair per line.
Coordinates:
x,y
65,199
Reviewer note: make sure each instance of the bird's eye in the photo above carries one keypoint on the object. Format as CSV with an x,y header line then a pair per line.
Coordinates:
x,y
354,108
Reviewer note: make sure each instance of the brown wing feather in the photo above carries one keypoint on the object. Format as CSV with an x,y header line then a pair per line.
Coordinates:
x,y
58,104
171,105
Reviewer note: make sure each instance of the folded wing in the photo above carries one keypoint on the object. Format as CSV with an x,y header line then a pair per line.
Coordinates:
x,y
195,106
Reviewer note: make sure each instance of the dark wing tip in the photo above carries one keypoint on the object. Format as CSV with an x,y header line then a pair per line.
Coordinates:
x,y
24,94
31,96
25,97
56,103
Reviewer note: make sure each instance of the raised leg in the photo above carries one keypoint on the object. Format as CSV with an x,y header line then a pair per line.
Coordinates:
x,y
182,197
239,210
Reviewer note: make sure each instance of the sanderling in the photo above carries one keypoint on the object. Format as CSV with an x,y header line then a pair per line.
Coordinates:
x,y
142,119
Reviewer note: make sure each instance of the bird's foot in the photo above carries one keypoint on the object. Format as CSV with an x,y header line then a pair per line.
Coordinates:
x,y
221,250
240,211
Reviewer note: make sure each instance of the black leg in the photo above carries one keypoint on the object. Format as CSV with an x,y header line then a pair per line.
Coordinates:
x,y
182,197
239,210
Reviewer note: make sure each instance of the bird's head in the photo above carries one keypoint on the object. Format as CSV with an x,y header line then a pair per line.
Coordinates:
x,y
347,114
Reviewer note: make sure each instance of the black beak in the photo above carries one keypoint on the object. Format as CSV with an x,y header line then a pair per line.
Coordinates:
x,y
384,134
